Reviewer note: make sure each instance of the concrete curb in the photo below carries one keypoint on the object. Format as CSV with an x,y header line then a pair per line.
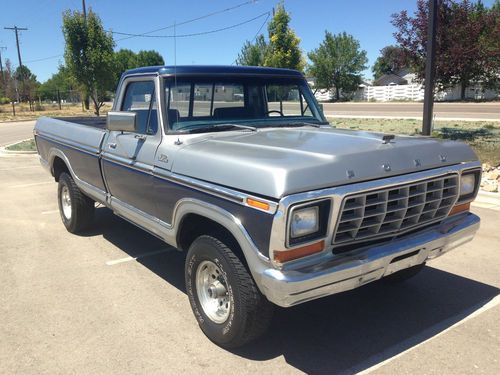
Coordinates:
x,y
3,149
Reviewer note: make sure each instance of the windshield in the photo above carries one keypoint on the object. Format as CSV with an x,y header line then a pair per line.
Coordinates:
x,y
259,102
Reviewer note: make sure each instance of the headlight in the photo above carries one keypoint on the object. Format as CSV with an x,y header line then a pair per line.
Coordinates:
x,y
467,184
304,221
308,222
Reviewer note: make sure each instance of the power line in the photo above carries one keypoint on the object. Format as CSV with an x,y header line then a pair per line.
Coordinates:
x,y
44,58
16,31
188,21
194,34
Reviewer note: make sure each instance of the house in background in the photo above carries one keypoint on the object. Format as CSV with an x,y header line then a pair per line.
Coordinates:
x,y
400,77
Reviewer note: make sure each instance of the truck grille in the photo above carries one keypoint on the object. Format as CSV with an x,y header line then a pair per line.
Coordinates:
x,y
396,209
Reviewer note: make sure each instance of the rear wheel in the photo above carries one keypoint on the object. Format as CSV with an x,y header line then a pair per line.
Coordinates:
x,y
229,308
76,209
403,275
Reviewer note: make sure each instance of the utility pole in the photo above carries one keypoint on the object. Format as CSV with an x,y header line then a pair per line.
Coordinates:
x,y
1,66
430,68
84,10
16,31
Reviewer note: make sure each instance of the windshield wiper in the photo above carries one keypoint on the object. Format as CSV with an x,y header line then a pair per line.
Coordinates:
x,y
215,127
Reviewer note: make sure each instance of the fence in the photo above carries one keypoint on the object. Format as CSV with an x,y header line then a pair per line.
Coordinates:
x,y
411,92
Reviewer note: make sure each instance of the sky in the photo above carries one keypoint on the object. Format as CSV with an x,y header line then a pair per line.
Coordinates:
x,y
42,45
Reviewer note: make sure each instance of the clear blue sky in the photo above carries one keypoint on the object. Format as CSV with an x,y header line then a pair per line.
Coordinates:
x,y
367,20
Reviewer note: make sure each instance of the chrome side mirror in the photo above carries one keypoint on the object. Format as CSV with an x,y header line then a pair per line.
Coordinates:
x,y
122,121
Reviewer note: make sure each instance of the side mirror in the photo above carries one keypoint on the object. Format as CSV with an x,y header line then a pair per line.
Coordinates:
x,y
121,121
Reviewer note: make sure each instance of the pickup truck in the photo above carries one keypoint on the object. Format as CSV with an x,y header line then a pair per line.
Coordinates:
x,y
238,167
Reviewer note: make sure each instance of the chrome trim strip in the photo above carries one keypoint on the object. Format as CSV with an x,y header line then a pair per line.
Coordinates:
x,y
336,194
127,163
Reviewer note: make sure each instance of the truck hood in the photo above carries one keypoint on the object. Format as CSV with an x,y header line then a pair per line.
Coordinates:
x,y
278,162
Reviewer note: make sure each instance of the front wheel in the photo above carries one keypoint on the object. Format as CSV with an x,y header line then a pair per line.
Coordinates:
x,y
229,308
76,209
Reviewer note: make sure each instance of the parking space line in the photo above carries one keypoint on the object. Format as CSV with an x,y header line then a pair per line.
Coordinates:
x,y
16,168
468,314
32,184
140,256
49,212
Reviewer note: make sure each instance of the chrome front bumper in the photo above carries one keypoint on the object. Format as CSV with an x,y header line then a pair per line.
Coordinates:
x,y
338,273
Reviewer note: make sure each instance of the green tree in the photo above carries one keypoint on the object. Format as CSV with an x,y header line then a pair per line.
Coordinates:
x,y
89,55
253,54
27,83
338,63
125,59
391,60
61,82
283,49
149,58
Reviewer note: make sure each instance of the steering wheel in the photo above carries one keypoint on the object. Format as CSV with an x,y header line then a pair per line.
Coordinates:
x,y
275,111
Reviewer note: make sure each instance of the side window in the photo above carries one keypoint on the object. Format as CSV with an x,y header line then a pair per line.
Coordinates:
x,y
140,98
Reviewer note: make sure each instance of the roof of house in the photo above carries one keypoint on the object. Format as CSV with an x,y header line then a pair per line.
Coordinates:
x,y
214,69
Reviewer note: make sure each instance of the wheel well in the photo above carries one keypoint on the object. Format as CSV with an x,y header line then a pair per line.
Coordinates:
x,y
193,225
58,167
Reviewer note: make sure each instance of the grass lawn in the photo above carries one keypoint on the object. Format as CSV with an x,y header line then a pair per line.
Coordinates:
x,y
482,136
49,110
28,145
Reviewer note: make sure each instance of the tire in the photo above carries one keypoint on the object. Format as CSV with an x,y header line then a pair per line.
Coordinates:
x,y
245,313
403,275
75,208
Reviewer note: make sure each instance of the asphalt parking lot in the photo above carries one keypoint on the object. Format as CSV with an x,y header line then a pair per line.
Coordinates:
x,y
113,301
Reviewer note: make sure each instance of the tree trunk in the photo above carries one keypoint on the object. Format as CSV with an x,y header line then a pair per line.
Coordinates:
x,y
463,87
337,93
86,101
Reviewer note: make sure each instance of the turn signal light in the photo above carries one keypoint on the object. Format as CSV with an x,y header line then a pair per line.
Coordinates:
x,y
460,208
258,204
287,255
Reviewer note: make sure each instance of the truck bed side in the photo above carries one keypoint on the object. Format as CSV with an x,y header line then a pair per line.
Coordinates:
x,y
79,143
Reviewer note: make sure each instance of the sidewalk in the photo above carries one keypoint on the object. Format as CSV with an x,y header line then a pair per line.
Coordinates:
x,y
485,199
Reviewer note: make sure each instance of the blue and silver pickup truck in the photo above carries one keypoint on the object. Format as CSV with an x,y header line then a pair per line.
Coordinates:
x,y
238,167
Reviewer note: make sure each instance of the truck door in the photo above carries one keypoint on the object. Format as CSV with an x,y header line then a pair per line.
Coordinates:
x,y
127,157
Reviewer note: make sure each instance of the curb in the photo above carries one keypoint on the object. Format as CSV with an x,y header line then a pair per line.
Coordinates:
x,y
3,149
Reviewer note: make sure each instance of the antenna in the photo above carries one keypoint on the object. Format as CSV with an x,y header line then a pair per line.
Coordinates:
x,y
175,66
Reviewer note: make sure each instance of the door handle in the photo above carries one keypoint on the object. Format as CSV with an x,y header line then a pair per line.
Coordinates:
x,y
112,145
141,137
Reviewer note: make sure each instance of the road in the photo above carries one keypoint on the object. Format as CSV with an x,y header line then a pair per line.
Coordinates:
x,y
113,301
463,111
11,132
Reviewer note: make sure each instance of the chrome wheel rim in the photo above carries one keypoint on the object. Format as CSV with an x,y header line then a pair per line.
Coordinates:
x,y
66,202
213,293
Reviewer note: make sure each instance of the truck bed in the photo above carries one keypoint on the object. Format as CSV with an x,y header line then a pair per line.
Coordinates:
x,y
95,122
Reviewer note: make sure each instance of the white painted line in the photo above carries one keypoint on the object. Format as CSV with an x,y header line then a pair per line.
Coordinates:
x,y
129,259
396,117
16,168
50,212
33,184
468,314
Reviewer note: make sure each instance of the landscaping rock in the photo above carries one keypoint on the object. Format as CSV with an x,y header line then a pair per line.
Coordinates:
x,y
490,180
